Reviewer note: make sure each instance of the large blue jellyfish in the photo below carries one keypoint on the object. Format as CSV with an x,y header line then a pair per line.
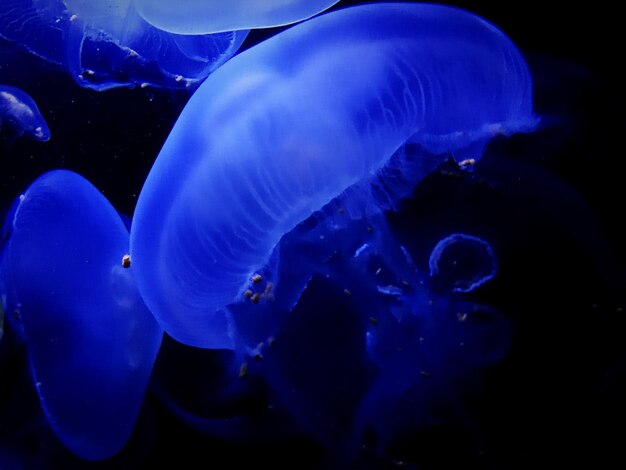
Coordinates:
x,y
288,125
106,44
210,16
91,341
21,115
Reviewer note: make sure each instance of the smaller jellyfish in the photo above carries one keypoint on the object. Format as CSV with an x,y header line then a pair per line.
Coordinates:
x,y
212,16
21,115
462,263
90,339
107,44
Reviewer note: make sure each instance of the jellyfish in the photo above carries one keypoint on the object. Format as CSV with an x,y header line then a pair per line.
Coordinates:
x,y
462,262
210,16
106,44
20,114
396,343
91,341
288,125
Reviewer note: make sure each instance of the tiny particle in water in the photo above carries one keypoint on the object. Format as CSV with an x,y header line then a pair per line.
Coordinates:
x,y
424,374
247,294
257,278
255,298
258,357
270,341
126,261
243,370
347,292
373,321
461,316
467,162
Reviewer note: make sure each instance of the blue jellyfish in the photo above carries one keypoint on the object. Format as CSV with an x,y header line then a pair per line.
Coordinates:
x,y
286,126
106,44
462,262
211,16
372,344
91,341
20,114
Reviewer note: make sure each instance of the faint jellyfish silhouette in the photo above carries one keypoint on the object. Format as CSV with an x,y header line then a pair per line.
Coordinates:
x,y
462,262
106,44
286,126
20,114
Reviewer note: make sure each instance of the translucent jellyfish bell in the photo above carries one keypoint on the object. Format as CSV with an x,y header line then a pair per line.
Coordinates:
x,y
211,16
290,124
19,112
91,341
106,44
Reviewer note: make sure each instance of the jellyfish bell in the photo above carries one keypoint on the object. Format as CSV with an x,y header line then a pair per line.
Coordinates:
x,y
91,341
288,125
210,16
20,113
106,44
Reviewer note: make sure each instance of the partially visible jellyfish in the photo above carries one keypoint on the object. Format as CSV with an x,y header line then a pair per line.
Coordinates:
x,y
397,348
216,392
106,44
462,262
20,114
91,341
211,16
288,125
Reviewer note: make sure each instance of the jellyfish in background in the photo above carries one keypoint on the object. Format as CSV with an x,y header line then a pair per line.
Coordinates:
x,y
210,16
91,341
376,325
106,44
315,112
462,251
20,114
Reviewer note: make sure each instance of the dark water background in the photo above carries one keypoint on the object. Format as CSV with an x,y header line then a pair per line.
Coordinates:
x,y
555,204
